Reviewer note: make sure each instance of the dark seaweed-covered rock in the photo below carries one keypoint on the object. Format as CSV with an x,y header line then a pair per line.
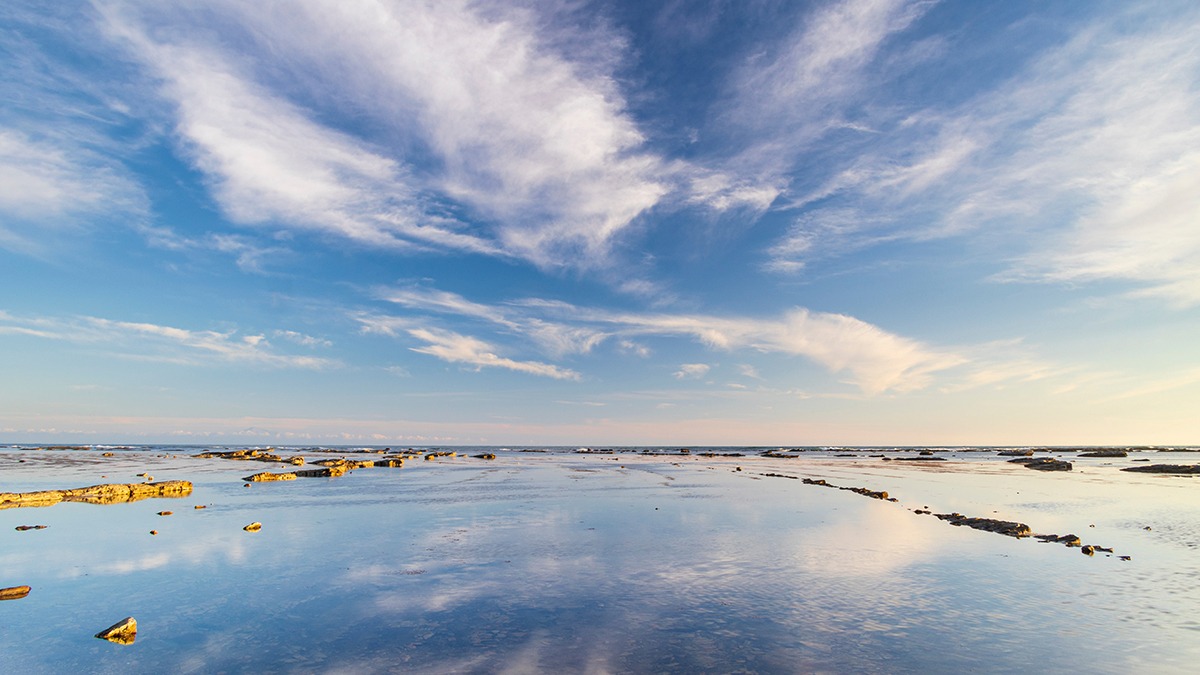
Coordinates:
x,y
1104,452
486,455
1005,527
1174,469
1042,463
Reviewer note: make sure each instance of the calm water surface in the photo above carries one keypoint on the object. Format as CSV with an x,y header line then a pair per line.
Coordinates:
x,y
560,562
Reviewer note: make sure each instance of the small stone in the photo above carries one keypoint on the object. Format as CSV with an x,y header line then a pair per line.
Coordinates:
x,y
1125,557
122,632
165,513
199,506
14,592
1088,550
26,528
253,527
153,532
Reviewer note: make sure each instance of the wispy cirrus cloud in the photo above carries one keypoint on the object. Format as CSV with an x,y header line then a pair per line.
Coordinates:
x,y
1080,168
156,342
55,185
876,360
692,371
455,348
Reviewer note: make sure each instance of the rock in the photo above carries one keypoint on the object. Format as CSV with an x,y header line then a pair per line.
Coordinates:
x,y
166,513
1015,453
122,632
1174,469
1069,540
1088,550
1125,557
1005,527
920,458
26,528
109,493
153,532
1104,453
107,454
267,476
199,506
253,527
390,463
486,455
14,592
325,472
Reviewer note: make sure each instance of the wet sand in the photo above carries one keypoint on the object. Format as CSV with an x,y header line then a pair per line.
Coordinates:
x,y
604,562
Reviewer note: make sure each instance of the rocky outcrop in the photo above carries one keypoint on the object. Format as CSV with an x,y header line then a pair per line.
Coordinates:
x,y
324,472
486,455
1065,539
1174,469
348,464
1016,453
440,453
251,455
122,632
110,493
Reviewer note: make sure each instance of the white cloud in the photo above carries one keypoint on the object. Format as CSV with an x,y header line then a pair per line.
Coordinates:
x,y
302,339
692,371
455,348
160,343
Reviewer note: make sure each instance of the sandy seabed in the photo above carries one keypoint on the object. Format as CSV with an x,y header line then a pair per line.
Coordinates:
x,y
603,561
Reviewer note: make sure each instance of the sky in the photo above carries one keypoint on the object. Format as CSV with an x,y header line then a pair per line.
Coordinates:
x,y
750,222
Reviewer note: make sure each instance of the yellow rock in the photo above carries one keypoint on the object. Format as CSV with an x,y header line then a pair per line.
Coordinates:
x,y
253,527
14,593
122,632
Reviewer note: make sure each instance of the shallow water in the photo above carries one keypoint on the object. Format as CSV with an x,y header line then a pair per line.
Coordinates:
x,y
559,562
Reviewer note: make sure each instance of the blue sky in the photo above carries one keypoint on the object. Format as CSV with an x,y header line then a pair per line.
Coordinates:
x,y
701,223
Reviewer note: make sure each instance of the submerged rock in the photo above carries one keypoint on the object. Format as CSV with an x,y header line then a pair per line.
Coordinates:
x,y
122,632
14,592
